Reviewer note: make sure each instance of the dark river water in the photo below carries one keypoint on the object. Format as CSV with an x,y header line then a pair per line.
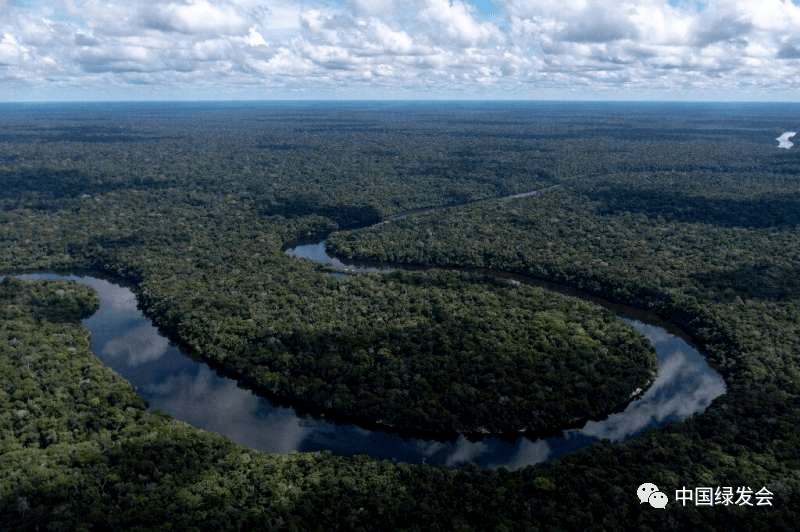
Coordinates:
x,y
191,391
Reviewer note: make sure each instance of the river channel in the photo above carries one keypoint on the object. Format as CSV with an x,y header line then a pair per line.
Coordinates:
x,y
190,390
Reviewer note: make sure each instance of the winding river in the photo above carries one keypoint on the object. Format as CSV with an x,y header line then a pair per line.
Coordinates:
x,y
190,390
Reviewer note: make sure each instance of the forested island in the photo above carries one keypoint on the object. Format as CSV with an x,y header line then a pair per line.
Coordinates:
x,y
688,211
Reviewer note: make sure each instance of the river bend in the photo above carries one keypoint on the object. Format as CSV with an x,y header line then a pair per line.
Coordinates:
x,y
190,390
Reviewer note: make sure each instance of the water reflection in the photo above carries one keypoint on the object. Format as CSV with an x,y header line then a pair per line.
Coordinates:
x,y
317,253
137,346
189,390
783,140
218,404
174,383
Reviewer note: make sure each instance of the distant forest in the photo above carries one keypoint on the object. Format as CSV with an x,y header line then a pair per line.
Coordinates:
x,y
689,211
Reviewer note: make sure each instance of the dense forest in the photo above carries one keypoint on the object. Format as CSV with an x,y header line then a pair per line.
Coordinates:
x,y
686,210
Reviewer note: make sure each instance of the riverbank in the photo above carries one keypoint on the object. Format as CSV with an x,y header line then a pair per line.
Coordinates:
x,y
187,389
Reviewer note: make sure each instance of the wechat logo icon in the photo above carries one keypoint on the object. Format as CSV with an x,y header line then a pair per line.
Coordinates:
x,y
648,492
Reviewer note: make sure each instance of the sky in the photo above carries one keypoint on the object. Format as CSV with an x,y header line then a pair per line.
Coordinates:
x,y
721,50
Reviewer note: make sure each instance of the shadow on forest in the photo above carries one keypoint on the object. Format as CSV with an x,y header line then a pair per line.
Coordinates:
x,y
761,281
284,146
761,212
56,184
89,134
47,306
346,216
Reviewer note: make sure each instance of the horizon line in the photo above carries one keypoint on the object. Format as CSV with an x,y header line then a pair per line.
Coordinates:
x,y
398,100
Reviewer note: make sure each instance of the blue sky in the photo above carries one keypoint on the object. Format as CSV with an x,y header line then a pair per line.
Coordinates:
x,y
418,49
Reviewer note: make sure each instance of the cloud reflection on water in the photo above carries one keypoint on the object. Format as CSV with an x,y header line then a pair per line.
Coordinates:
x,y
684,385
528,453
140,345
191,391
466,451
783,140
220,405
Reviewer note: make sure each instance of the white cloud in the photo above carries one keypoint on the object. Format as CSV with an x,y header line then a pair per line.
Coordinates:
x,y
212,50
331,57
661,24
316,22
391,41
11,51
373,8
117,58
284,16
458,22
254,38
106,18
36,31
428,47
769,15
196,17
284,62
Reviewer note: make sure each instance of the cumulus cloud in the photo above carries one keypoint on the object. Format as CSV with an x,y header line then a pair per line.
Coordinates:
x,y
11,51
598,26
426,47
456,21
116,59
195,17
392,41
372,8
254,38
285,62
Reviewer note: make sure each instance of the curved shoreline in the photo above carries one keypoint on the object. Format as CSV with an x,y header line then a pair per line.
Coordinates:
x,y
662,402
317,252
343,265
642,410
196,393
